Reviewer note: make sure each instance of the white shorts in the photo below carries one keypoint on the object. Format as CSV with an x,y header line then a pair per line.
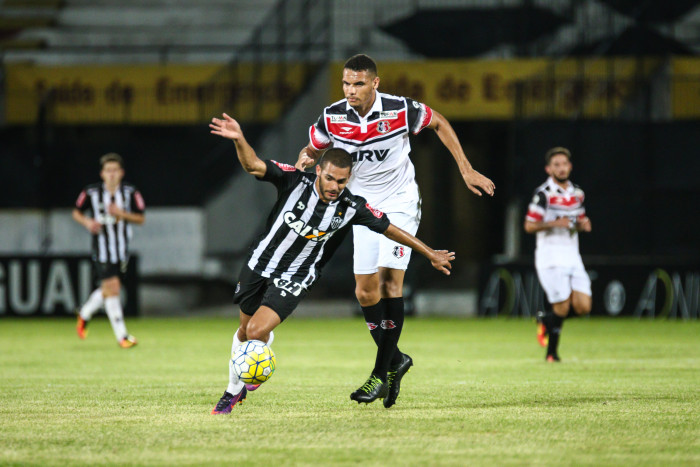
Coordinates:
x,y
373,250
558,282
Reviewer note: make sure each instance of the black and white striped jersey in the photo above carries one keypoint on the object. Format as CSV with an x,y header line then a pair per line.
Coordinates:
x,y
111,245
300,224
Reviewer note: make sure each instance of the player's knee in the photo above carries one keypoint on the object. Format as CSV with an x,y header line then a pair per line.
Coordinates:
x,y
582,306
366,296
561,309
255,332
392,289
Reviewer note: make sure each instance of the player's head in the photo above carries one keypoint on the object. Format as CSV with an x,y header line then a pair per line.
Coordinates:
x,y
360,81
558,163
112,169
333,173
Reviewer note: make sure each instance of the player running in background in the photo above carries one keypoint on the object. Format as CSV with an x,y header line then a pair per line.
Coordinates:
x,y
283,260
556,214
375,127
113,206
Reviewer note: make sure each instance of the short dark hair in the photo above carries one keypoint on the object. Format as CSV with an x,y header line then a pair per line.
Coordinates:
x,y
111,157
361,62
556,151
338,157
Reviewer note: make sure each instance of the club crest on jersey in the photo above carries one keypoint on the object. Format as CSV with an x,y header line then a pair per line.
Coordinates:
x,y
377,213
335,222
399,252
383,127
285,167
338,118
303,230
392,114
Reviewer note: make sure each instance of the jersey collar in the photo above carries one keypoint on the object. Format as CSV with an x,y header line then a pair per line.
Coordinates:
x,y
376,107
555,186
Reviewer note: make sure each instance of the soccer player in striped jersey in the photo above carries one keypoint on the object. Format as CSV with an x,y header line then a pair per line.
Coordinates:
x,y
284,261
375,128
112,206
556,214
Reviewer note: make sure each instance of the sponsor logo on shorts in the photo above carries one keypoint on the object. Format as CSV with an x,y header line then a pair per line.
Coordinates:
x,y
388,324
399,251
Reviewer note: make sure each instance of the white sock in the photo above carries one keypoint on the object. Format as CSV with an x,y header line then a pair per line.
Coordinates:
x,y
93,303
233,383
116,317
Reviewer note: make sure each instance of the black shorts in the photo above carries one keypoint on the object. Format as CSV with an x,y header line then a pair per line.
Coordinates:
x,y
254,291
107,270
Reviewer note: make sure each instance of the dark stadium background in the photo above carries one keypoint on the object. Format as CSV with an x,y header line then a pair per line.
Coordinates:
x,y
637,161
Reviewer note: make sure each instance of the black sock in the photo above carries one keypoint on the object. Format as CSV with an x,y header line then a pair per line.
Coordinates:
x,y
388,344
373,317
554,324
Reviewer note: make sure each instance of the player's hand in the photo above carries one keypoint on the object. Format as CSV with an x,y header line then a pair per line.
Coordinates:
x,y
305,161
440,259
475,180
93,226
584,224
561,223
226,127
115,211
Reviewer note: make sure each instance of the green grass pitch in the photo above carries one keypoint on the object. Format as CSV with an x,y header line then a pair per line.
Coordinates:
x,y
480,393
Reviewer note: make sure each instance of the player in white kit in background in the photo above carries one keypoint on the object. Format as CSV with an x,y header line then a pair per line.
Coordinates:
x,y
556,214
375,128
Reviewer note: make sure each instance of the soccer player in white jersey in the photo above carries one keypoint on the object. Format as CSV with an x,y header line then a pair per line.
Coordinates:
x,y
556,214
284,261
112,206
375,127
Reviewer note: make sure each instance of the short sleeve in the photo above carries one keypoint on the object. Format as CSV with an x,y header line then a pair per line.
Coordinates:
x,y
138,205
372,218
283,176
419,115
318,134
537,207
82,202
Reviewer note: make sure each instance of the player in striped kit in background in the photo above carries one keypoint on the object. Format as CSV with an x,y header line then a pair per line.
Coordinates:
x,y
556,214
112,205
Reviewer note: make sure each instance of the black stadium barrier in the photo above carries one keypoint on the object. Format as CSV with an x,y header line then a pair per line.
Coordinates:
x,y
56,285
642,288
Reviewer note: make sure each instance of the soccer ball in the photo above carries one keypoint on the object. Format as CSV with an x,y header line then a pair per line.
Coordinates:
x,y
253,362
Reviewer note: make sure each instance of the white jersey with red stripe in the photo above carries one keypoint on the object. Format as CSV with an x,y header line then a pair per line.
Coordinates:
x,y
558,246
379,142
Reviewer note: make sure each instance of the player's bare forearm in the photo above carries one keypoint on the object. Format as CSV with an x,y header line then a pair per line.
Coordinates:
x,y
90,224
229,128
584,225
308,157
534,227
440,259
448,137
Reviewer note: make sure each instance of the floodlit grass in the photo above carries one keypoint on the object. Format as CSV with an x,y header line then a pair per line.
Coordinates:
x,y
480,393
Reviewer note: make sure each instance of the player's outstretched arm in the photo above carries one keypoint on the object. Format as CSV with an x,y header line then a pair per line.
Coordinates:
x,y
440,259
307,157
447,135
229,128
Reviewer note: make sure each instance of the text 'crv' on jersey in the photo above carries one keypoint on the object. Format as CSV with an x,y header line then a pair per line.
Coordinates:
x,y
300,224
111,244
558,246
379,142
